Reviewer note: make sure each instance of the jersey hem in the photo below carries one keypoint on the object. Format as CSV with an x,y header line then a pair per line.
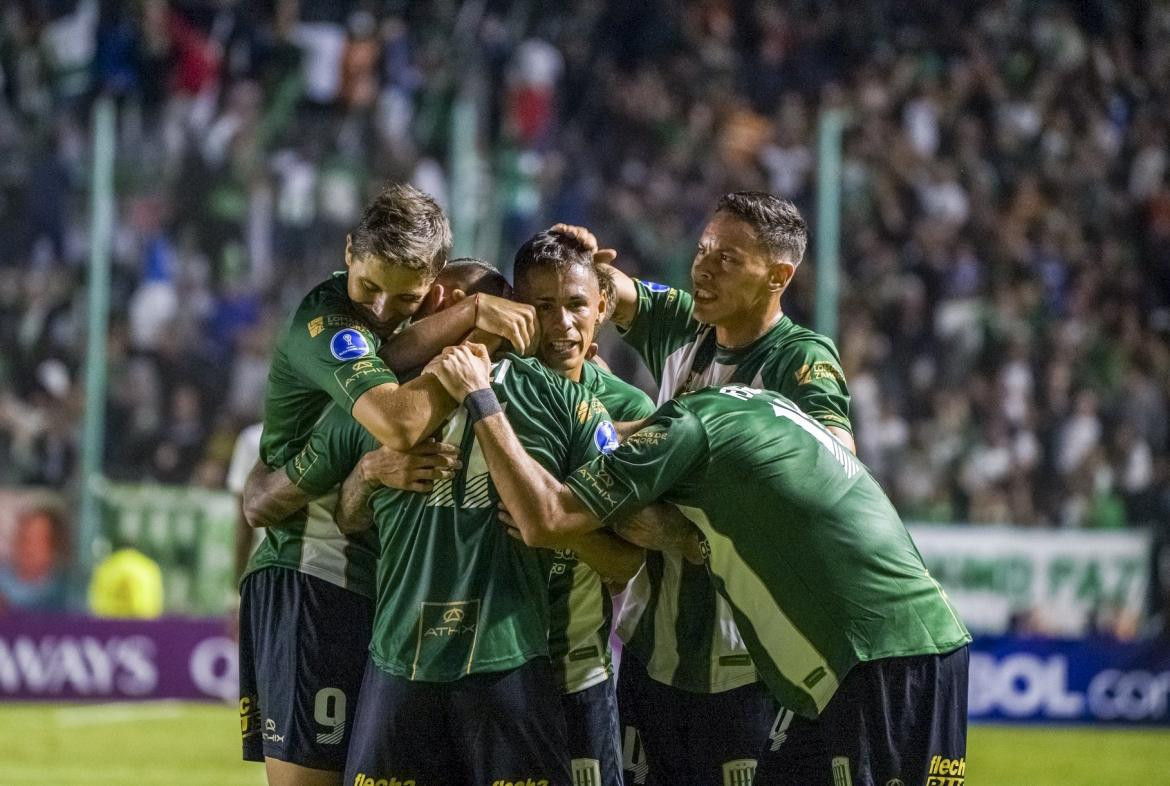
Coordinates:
x,y
507,664
317,574
576,687
936,649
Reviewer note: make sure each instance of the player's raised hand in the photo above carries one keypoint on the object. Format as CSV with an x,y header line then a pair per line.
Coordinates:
x,y
514,322
602,256
462,369
414,470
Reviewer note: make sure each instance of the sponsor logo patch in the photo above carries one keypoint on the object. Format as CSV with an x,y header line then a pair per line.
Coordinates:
x,y
822,369
946,772
605,436
739,772
842,775
587,408
586,772
369,780
348,344
316,325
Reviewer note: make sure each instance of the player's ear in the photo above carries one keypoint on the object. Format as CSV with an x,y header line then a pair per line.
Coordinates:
x,y
348,250
434,300
780,275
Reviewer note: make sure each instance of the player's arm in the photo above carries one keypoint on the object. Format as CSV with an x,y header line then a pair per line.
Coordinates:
x,y
488,315
844,437
614,559
545,513
820,392
269,497
401,416
662,527
415,470
549,513
625,305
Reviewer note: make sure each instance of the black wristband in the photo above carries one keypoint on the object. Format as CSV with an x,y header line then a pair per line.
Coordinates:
x,y
480,404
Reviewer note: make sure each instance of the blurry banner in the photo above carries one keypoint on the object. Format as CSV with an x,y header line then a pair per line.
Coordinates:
x,y
1070,681
188,531
74,658
1064,583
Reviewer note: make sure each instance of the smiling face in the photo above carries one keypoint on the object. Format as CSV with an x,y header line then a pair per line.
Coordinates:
x,y
732,274
569,306
384,293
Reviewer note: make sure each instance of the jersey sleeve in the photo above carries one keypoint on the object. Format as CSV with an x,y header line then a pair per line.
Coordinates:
x,y
644,467
337,354
662,323
335,446
815,382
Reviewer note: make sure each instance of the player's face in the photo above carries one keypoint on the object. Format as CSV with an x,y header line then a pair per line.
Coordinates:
x,y
568,306
385,294
730,274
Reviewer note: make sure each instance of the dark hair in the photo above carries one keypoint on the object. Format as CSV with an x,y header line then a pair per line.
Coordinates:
x,y
474,276
778,224
560,251
403,226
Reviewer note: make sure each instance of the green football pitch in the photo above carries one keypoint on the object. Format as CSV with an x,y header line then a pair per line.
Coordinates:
x,y
179,743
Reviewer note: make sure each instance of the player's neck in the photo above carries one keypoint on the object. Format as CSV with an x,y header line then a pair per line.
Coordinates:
x,y
745,328
573,374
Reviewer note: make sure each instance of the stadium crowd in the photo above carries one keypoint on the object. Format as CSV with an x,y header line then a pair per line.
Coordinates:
x,y
1006,227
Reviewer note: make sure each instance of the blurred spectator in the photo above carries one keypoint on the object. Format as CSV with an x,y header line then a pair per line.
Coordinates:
x,y
33,579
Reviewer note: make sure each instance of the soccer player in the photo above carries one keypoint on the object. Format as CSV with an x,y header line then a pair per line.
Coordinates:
x,y
831,596
555,273
684,662
306,593
459,687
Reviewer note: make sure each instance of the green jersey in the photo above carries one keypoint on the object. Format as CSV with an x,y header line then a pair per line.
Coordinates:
x,y
456,594
673,620
325,354
819,570
582,609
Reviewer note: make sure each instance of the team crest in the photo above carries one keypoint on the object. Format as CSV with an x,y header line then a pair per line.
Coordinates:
x,y
349,344
605,437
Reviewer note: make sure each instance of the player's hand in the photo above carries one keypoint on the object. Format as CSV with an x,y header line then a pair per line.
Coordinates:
x,y
513,322
602,256
509,523
414,470
462,369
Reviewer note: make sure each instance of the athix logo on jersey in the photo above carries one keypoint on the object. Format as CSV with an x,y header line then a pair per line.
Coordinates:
x,y
605,437
349,344
270,726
